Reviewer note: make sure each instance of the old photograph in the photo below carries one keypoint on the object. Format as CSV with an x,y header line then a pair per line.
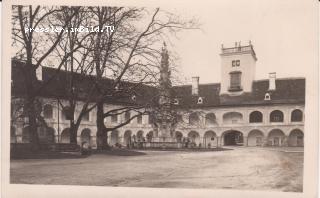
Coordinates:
x,y
209,96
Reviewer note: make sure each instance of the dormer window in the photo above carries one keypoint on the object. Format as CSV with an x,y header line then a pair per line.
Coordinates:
x,y
267,96
235,63
134,97
176,101
200,100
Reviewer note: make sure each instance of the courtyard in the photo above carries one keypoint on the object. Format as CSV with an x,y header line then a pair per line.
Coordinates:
x,y
249,168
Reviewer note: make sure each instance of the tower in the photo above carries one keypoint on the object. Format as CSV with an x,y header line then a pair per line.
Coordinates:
x,y
238,65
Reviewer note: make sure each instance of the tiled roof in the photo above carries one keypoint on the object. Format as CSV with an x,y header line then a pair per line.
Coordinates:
x,y
288,91
58,86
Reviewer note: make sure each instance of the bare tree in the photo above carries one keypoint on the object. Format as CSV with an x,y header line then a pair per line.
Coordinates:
x,y
129,53
34,48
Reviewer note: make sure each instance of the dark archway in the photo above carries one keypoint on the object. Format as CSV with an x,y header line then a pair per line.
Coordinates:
x,y
179,136
210,139
276,116
255,138
194,118
114,138
296,115
233,138
86,136
210,119
255,117
127,138
65,135
276,137
296,138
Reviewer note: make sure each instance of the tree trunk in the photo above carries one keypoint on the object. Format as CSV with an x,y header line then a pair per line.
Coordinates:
x,y
30,108
73,132
31,114
102,135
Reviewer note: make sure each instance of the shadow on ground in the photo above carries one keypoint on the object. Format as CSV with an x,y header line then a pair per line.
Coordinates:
x,y
46,155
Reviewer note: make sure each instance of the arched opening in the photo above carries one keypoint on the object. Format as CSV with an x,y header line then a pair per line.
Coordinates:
x,y
296,115
26,135
276,116
50,135
210,119
276,137
114,138
127,138
65,135
210,139
232,118
140,137
85,136
179,136
194,138
13,138
194,118
296,138
255,117
48,111
232,138
255,138
149,136
45,134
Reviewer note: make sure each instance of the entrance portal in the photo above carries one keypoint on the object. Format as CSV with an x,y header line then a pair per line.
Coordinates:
x,y
234,138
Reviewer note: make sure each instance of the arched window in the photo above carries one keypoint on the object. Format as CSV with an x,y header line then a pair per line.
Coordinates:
x,y
48,111
255,117
210,119
296,116
276,116
194,118
232,118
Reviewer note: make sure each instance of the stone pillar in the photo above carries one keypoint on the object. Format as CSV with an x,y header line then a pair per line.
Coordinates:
x,y
56,139
284,142
93,142
79,140
245,140
219,141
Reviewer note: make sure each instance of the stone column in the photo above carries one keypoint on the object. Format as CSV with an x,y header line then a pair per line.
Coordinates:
x,y
284,142
245,140
219,141
93,142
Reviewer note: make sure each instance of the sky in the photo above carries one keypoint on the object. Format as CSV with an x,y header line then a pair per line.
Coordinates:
x,y
281,33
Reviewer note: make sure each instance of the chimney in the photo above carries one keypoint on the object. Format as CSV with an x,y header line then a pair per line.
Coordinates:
x,y
39,73
195,86
272,81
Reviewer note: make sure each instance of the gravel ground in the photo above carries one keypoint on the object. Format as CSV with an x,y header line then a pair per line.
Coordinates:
x,y
241,168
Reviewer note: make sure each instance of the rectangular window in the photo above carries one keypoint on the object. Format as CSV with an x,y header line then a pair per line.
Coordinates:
x,y
235,63
235,80
86,116
114,118
139,119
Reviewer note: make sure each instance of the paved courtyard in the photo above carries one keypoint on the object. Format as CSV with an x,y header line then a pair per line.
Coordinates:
x,y
240,168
